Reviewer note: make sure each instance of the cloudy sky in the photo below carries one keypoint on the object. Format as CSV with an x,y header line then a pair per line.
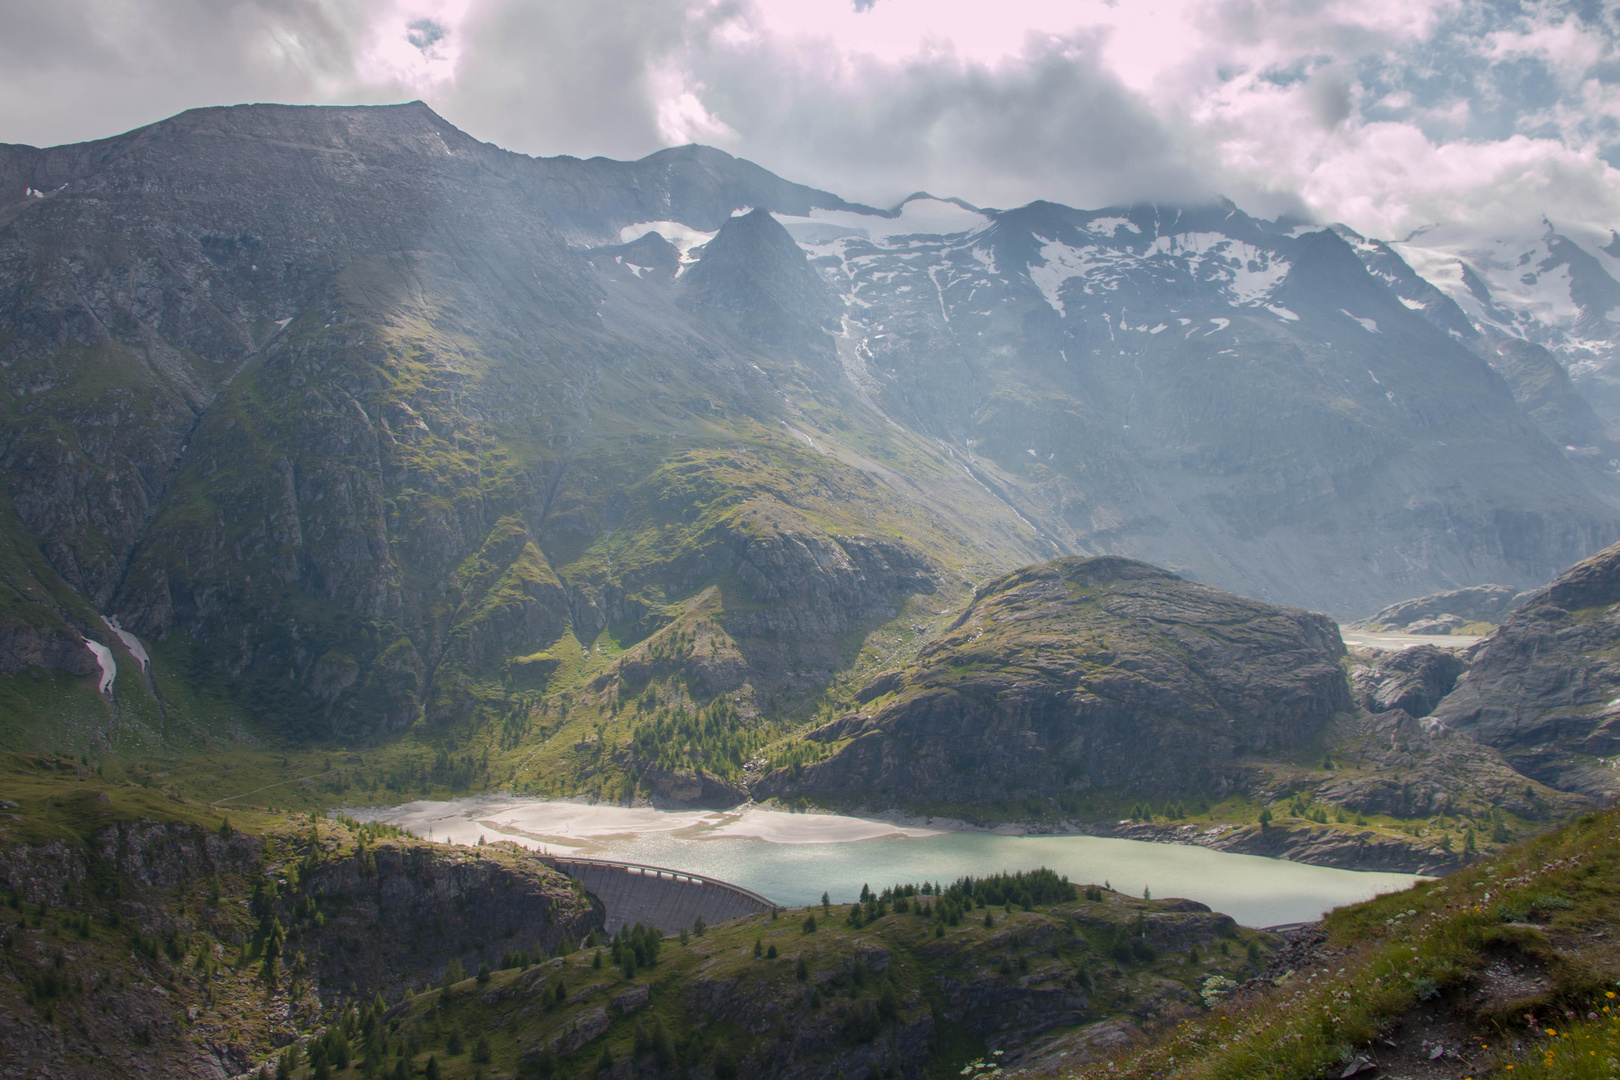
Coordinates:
x,y
1390,115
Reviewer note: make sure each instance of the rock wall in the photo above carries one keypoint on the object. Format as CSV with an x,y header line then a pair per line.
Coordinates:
x,y
1545,688
417,907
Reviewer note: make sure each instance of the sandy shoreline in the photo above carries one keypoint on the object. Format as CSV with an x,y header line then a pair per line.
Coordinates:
x,y
581,828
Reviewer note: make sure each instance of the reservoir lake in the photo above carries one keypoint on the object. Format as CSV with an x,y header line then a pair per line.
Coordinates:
x,y
792,858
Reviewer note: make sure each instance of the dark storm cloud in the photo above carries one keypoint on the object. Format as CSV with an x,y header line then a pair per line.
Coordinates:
x,y
74,69
1051,123
564,77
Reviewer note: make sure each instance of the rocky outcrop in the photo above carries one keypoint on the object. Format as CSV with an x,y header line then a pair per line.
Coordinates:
x,y
420,906
1079,673
1412,680
142,854
697,788
1408,768
1426,614
1545,687
25,645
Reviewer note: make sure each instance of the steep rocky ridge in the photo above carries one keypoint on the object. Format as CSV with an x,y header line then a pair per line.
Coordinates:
x,y
1545,687
1085,673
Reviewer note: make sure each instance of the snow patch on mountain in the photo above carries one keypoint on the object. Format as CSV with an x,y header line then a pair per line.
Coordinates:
x,y
1108,226
1245,274
1366,324
105,661
1063,262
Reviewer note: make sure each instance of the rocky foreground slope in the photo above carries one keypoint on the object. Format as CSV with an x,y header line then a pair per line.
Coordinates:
x,y
1505,969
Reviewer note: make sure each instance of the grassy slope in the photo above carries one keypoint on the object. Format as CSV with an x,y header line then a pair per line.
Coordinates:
x,y
1515,960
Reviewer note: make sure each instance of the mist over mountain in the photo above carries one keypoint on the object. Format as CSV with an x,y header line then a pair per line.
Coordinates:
x,y
364,421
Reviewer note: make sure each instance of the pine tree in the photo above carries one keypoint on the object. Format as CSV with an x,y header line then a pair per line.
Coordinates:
x,y
801,970
663,1046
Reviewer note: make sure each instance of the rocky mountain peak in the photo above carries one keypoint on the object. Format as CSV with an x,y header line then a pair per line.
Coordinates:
x,y
753,271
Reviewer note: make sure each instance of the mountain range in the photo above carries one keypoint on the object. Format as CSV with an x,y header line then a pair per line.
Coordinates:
x,y
359,423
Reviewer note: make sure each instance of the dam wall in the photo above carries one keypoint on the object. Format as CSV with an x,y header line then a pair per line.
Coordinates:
x,y
667,899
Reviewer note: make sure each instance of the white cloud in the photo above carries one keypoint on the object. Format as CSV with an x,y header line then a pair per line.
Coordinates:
x,y
413,44
1387,114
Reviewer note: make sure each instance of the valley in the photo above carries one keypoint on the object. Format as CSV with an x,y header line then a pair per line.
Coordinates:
x,y
381,506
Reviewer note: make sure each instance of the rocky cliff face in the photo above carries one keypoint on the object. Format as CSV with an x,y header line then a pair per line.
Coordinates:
x,y
417,907
1412,680
1085,673
1544,688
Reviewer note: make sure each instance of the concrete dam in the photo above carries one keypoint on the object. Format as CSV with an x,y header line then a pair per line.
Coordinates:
x,y
659,897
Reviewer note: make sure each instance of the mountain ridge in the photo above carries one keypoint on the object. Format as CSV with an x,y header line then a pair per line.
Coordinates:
x,y
363,423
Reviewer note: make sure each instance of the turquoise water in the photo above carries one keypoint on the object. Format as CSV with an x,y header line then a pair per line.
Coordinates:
x,y
1255,891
